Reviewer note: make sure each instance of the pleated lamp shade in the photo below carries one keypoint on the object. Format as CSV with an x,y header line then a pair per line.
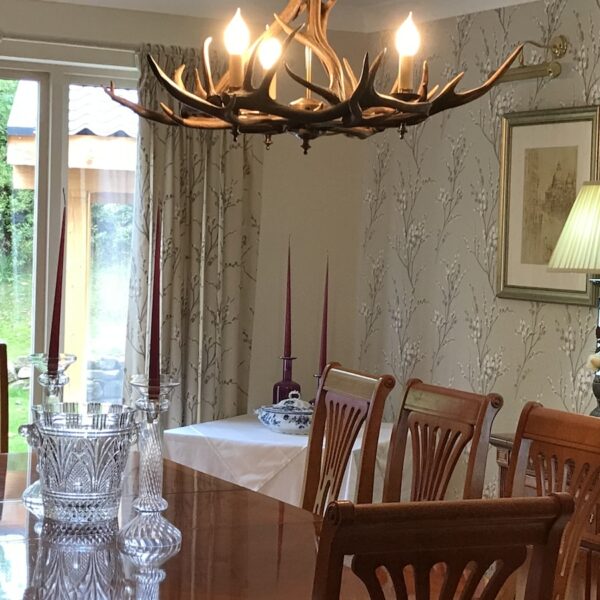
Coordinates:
x,y
578,247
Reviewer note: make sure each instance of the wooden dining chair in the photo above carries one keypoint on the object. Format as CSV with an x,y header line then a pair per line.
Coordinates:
x,y
441,421
3,399
478,543
564,450
346,400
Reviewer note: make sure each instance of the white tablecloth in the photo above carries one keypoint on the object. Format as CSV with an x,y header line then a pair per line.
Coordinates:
x,y
241,450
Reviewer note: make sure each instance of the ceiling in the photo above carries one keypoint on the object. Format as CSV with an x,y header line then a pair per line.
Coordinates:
x,y
349,15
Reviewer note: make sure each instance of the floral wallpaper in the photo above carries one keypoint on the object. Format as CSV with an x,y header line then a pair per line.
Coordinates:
x,y
428,305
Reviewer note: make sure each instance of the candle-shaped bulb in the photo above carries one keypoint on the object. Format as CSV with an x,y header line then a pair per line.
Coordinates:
x,y
237,39
408,39
269,52
237,35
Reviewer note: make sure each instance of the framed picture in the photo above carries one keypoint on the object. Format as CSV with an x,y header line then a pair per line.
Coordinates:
x,y
546,156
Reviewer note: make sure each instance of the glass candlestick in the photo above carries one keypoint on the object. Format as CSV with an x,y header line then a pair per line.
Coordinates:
x,y
153,401
149,539
53,383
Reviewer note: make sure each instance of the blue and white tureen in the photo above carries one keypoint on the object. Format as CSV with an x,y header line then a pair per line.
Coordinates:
x,y
292,415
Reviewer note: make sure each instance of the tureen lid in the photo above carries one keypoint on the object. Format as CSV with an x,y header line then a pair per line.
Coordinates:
x,y
292,404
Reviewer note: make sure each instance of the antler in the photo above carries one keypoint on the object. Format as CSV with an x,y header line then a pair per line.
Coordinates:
x,y
448,98
315,38
151,115
351,105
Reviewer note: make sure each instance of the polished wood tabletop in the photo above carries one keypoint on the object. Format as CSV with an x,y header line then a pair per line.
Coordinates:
x,y
237,544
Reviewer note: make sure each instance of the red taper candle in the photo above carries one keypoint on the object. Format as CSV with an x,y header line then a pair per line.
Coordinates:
x,y
154,359
53,347
323,355
287,340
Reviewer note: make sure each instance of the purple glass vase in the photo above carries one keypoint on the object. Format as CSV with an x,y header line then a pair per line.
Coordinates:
x,y
282,389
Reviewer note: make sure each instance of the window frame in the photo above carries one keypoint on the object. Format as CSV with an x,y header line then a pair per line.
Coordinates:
x,y
55,66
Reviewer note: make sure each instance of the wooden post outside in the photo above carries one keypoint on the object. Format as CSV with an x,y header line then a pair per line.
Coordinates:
x,y
77,283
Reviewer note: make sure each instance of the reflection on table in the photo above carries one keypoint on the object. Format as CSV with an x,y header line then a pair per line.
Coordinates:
x,y
237,544
243,451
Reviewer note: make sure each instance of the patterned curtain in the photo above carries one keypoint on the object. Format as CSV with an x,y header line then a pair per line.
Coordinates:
x,y
208,188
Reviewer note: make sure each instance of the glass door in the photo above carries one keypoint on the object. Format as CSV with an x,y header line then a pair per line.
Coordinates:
x,y
19,118
102,147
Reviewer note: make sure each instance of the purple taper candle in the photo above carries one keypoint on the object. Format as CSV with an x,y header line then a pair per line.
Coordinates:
x,y
323,354
53,347
154,360
282,389
287,339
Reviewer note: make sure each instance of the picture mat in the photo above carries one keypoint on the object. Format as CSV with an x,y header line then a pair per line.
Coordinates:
x,y
546,135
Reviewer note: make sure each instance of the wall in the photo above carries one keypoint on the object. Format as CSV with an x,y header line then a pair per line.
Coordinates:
x,y
430,227
313,200
316,203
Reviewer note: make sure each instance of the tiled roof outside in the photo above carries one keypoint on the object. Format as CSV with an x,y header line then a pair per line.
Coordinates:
x,y
91,112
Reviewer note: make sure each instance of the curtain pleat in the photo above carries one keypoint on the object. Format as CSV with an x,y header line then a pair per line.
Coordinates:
x,y
208,188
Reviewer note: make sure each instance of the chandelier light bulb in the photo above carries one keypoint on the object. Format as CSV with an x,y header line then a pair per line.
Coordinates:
x,y
237,35
268,52
408,38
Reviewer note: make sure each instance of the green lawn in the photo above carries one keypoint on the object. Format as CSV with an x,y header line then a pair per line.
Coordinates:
x,y
15,330
18,414
15,311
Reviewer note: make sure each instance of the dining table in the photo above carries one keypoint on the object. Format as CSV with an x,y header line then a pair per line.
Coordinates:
x,y
237,544
243,451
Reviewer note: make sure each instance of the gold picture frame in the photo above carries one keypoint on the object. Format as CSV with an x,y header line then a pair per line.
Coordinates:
x,y
546,156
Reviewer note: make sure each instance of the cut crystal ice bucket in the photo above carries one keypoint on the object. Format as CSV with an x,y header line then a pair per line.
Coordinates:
x,y
82,453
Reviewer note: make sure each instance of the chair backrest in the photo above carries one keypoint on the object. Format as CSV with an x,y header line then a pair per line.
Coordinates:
x,y
441,422
3,398
345,401
564,450
466,537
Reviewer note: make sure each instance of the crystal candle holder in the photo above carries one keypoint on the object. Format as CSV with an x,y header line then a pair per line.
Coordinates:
x,y
82,454
52,381
153,401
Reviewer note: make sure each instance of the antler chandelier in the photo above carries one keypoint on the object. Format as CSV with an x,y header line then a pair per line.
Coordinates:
x,y
349,105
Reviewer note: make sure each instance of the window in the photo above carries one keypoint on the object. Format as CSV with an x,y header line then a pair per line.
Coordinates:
x,y
18,165
60,131
102,156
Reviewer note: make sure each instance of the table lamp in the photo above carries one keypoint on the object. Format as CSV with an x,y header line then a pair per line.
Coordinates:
x,y
578,250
